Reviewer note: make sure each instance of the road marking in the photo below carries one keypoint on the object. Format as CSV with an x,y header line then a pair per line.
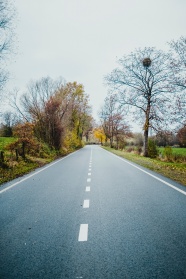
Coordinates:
x,y
89,170
83,232
88,179
87,189
157,178
89,173
36,172
86,204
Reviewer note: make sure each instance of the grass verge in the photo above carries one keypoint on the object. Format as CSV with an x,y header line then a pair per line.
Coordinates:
x,y
20,168
175,171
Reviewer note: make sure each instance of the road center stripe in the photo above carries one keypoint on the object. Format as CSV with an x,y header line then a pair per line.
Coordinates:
x,y
86,204
83,232
87,189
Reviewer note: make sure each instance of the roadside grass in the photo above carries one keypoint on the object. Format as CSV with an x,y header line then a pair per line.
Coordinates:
x,y
175,171
11,168
16,169
4,141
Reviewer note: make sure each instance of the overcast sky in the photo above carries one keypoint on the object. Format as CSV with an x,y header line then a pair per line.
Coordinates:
x,y
80,40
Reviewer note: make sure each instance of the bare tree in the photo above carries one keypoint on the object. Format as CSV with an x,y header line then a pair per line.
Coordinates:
x,y
113,120
178,62
6,16
142,82
178,71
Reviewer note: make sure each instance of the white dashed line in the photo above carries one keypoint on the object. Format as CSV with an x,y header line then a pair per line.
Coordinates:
x,y
87,189
86,204
88,179
89,173
83,232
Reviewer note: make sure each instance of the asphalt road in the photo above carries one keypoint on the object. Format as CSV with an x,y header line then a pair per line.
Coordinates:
x,y
92,215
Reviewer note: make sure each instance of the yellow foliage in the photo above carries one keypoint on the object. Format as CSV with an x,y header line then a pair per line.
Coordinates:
x,y
99,134
71,141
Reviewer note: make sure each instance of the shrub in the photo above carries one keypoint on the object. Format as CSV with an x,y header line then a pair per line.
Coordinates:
x,y
152,149
168,153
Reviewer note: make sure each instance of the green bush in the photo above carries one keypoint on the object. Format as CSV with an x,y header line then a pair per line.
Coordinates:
x,y
152,149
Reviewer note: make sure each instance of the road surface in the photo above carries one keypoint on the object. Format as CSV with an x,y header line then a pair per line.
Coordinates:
x,y
92,215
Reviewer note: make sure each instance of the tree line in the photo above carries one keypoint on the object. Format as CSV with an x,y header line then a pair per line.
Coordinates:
x,y
54,112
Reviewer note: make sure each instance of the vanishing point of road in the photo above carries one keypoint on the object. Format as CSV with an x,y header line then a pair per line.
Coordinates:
x,y
92,215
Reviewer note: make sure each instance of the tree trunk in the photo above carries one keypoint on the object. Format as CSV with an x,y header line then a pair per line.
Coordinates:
x,y
146,132
17,156
146,129
2,159
111,142
23,150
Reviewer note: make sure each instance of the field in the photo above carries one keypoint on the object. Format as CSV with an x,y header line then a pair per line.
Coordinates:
x,y
177,150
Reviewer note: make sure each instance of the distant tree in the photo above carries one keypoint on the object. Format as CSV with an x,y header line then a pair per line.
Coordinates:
x,y
99,134
142,82
166,137
9,120
181,136
113,120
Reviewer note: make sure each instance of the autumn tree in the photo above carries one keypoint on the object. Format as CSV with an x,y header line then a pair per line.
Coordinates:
x,y
59,110
9,121
39,107
78,118
142,82
99,134
25,139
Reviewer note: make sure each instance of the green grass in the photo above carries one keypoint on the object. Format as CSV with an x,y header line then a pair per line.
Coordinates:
x,y
175,171
5,141
176,150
